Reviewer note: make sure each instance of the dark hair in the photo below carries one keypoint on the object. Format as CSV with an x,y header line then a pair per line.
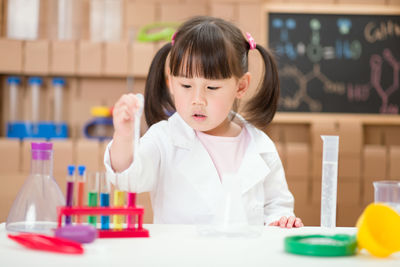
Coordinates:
x,y
214,49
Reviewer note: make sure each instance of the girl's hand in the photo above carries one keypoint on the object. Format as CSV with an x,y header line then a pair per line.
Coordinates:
x,y
290,222
124,116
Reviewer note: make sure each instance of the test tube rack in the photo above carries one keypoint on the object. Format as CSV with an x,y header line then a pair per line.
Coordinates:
x,y
134,231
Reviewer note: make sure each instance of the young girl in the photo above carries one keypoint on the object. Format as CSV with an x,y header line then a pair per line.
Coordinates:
x,y
199,78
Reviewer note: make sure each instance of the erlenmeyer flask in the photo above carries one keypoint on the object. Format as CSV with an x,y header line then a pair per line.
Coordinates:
x,y
35,207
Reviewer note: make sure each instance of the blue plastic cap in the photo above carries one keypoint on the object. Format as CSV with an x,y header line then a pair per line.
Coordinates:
x,y
59,81
71,170
14,80
35,81
81,169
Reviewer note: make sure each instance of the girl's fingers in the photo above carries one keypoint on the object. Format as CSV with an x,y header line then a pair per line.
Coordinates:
x,y
290,222
282,222
298,223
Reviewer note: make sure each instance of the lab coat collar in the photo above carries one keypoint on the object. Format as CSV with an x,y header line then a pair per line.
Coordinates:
x,y
183,135
204,177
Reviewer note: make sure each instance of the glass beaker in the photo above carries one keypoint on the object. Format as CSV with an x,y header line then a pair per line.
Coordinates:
x,y
388,192
35,207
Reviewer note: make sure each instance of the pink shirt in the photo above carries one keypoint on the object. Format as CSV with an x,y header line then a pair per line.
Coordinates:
x,y
226,152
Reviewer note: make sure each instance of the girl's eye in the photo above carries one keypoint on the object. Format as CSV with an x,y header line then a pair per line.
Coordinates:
x,y
213,87
185,85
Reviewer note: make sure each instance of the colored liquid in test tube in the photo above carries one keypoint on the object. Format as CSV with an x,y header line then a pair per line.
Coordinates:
x,y
105,189
119,201
131,202
93,192
70,191
81,180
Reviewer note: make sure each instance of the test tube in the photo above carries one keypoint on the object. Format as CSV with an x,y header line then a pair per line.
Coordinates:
x,y
70,191
105,189
13,83
329,180
35,83
119,201
93,189
58,85
131,202
81,180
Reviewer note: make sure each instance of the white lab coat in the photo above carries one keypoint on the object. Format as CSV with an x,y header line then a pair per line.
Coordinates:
x,y
185,187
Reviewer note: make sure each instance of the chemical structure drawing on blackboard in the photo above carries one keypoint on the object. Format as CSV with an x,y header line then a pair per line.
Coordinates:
x,y
337,63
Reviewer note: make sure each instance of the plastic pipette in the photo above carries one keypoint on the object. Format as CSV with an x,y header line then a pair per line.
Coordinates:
x,y
329,180
70,190
131,201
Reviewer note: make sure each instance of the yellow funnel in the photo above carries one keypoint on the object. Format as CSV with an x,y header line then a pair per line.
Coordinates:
x,y
379,230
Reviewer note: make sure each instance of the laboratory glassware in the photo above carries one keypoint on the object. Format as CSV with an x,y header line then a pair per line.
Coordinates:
x,y
93,186
23,19
35,83
119,202
70,190
35,207
388,192
105,189
329,180
105,20
81,181
13,85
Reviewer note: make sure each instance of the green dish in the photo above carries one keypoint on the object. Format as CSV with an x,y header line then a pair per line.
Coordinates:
x,y
322,245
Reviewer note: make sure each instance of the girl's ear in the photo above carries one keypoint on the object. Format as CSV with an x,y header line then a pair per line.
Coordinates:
x,y
243,85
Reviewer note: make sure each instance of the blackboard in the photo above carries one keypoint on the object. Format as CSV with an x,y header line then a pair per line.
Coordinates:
x,y
337,63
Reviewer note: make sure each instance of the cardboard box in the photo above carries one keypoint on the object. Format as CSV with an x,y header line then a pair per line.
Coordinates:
x,y
280,147
87,153
349,166
374,162
63,58
138,14
394,162
392,136
143,199
9,191
226,11
316,167
301,191
63,155
322,127
141,56
10,156
274,131
309,214
368,191
348,192
373,135
36,59
347,215
116,59
296,133
180,11
316,192
90,59
350,136
101,91
250,19
11,54
298,160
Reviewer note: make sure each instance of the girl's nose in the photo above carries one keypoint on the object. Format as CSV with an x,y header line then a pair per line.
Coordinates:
x,y
198,98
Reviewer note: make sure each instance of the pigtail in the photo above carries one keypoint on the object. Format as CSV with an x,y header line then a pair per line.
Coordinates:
x,y
158,101
261,108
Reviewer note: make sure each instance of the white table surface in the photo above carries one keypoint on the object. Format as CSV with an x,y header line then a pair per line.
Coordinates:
x,y
180,245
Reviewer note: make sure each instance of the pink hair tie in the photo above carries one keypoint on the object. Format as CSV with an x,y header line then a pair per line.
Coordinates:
x,y
251,41
173,38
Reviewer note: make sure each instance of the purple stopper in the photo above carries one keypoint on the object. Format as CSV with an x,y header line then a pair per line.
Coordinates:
x,y
41,151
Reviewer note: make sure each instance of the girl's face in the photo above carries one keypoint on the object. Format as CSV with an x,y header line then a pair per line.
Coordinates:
x,y
204,104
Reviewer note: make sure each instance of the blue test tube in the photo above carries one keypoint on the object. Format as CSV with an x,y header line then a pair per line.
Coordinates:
x,y
105,189
70,191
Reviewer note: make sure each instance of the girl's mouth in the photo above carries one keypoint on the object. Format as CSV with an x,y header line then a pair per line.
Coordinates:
x,y
199,117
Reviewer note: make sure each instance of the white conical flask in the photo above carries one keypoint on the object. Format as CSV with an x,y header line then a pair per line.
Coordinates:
x,y
35,207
